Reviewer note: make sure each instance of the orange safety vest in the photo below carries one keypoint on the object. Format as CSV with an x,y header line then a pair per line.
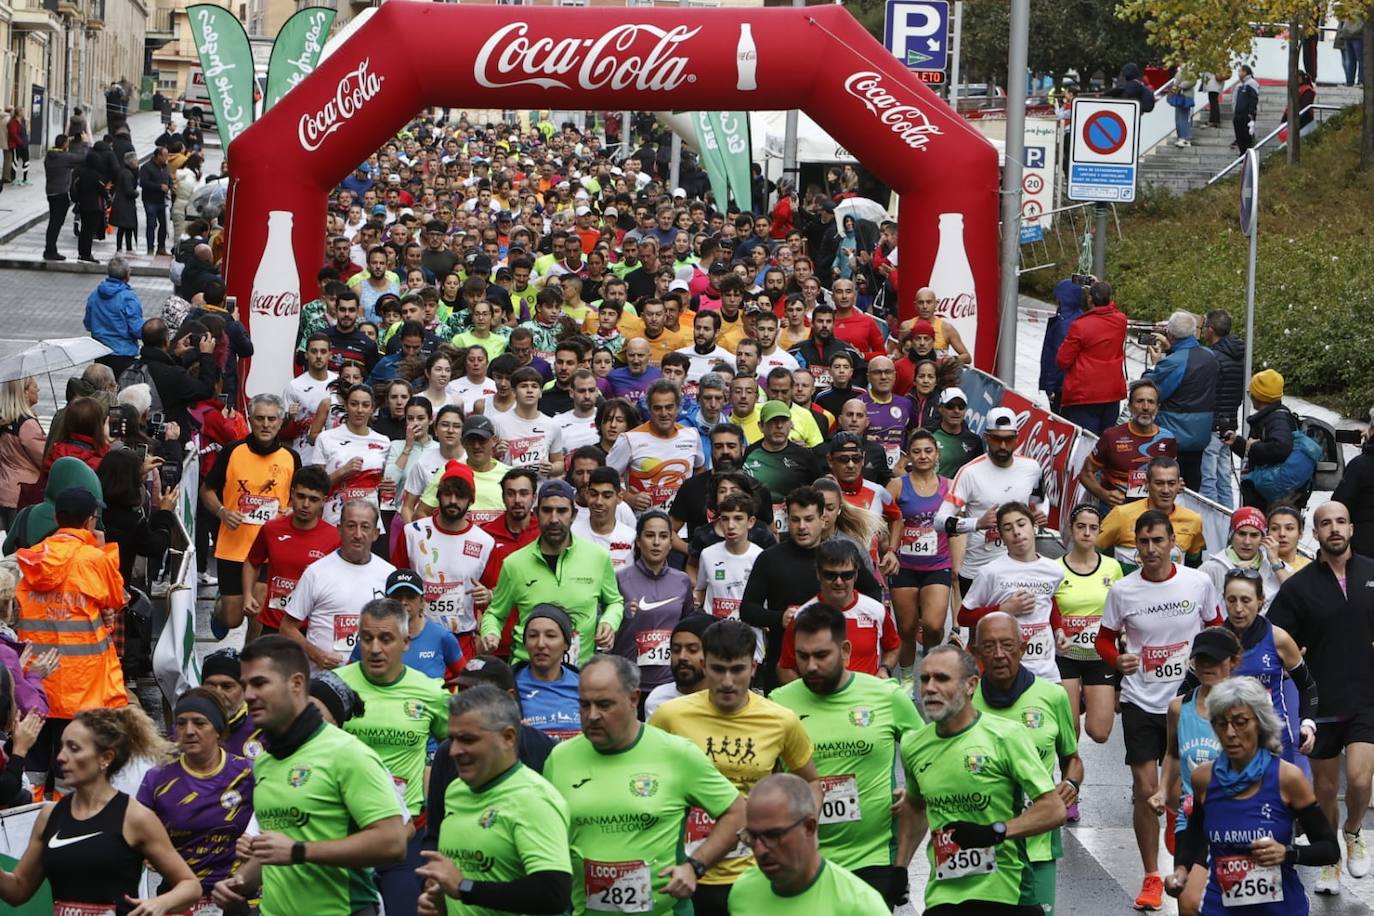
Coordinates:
x,y
65,582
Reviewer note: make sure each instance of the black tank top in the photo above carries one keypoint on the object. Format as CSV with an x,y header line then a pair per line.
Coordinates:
x,y
89,861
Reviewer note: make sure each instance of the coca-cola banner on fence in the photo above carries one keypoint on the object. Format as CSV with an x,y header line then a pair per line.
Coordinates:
x,y
1050,441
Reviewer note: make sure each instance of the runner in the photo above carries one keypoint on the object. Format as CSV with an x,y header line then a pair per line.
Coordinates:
x,y
601,523
958,444
528,438
204,797
1009,690
920,590
872,631
656,598
450,553
1023,584
479,444
557,568
221,672
433,650
723,568
1249,547
621,772
981,486
745,736
316,847
791,875
284,547
420,470
1115,470
503,843
1163,481
326,598
247,487
90,846
778,463
968,776
1158,609
402,708
354,454
656,457
547,682
305,393
889,414
687,661
856,722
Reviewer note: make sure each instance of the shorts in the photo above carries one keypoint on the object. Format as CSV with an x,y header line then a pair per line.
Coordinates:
x,y
889,880
965,584
920,578
1332,737
1092,672
984,908
230,575
711,899
1145,734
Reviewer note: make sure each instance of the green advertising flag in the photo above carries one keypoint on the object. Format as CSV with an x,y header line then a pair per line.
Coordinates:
x,y
712,156
227,62
296,52
732,130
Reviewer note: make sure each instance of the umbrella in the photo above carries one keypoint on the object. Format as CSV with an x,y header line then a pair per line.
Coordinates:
x,y
208,200
51,356
860,208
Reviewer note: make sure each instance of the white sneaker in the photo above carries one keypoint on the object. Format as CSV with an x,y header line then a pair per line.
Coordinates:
x,y
1356,855
1180,143
207,580
1329,881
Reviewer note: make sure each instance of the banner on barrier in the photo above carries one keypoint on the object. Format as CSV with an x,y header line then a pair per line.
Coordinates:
x,y
1050,441
16,826
174,657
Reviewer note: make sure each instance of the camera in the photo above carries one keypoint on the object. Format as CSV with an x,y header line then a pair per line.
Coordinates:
x,y
1349,437
1082,279
157,424
1226,427
1146,338
170,474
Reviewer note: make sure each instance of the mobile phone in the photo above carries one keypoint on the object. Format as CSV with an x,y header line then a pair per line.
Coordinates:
x,y
1146,338
142,452
1082,279
231,305
117,427
223,398
170,473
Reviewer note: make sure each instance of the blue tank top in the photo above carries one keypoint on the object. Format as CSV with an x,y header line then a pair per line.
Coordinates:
x,y
923,548
1232,824
1197,744
1262,662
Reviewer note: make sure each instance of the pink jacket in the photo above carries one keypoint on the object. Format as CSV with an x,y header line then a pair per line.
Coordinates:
x,y
21,458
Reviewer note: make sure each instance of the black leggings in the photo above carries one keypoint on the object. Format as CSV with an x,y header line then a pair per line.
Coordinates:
x,y
125,238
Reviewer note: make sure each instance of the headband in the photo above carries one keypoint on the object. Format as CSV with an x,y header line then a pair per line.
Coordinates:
x,y
206,707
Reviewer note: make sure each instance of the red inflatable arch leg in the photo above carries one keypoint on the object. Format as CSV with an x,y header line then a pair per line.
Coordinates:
x,y
814,58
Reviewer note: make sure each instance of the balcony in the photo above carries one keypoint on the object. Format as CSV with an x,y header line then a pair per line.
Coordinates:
x,y
36,17
95,15
69,8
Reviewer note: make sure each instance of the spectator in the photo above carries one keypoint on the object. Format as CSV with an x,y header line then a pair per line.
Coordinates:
x,y
1187,378
27,673
1246,108
21,444
1093,357
183,370
124,211
156,183
1356,490
1279,462
88,191
128,520
188,179
1068,297
1230,353
83,435
200,272
1133,87
1307,96
114,316
57,182
240,346
34,523
1350,41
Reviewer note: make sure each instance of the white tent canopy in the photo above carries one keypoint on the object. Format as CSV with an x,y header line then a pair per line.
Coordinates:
x,y
766,132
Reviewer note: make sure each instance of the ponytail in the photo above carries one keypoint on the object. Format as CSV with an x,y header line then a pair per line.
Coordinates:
x,y
127,732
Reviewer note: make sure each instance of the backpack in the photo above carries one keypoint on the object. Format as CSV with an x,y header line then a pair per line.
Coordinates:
x,y
1296,472
139,374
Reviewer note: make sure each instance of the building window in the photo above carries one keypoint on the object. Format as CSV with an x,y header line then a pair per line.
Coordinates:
x,y
167,79
572,2
515,2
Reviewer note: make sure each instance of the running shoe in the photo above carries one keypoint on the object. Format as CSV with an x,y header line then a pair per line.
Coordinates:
x,y
1151,893
206,580
1356,854
1329,881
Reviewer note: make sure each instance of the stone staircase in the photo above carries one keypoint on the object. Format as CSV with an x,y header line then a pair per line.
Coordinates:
x,y
1179,170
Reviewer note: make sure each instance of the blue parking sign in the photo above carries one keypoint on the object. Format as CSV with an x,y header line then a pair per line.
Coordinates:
x,y
1035,157
917,33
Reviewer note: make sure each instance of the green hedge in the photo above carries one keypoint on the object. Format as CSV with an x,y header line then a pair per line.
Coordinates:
x,y
1314,302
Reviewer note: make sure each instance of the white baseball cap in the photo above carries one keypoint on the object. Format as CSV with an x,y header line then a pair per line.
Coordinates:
x,y
1001,420
582,211
679,192
679,285
953,393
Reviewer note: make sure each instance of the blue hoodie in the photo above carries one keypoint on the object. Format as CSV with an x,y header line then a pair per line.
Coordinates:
x,y
114,316
1069,297
1187,380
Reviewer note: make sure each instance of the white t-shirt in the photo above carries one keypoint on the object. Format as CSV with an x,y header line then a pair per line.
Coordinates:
x,y
700,365
450,564
577,431
656,464
620,543
464,392
528,443
329,596
336,447
1159,621
1001,578
778,359
422,468
303,396
660,695
723,575
979,486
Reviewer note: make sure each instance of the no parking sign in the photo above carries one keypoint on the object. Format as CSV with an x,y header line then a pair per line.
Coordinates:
x,y
1106,146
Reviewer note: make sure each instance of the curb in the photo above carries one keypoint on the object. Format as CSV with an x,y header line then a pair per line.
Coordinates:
x,y
73,266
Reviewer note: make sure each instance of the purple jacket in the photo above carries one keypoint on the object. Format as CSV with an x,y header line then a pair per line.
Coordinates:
x,y
662,601
28,688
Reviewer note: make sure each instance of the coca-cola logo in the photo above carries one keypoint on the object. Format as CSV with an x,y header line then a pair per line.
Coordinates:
x,y
355,89
908,122
281,305
618,59
963,305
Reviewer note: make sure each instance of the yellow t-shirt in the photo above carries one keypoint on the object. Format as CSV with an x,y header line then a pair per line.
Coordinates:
x,y
1118,531
745,746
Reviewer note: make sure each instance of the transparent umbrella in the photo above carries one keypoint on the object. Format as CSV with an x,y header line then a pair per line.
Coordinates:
x,y
49,356
208,200
860,208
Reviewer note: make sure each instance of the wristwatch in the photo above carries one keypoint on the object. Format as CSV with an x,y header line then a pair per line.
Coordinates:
x,y
697,867
464,887
1000,828
298,853
1276,566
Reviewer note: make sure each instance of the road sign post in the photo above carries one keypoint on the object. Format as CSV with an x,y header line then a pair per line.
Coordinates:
x,y
1249,224
917,34
1105,152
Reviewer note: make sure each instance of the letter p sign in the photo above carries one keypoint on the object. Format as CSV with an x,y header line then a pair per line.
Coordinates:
x,y
916,33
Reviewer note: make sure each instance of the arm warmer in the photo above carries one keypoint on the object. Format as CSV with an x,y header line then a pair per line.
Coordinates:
x,y
1105,644
1191,841
1321,848
540,892
1307,690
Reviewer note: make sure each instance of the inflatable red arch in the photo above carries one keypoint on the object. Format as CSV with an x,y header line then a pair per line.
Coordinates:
x,y
412,54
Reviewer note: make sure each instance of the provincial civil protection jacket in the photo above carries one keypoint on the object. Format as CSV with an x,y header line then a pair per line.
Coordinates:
x,y
66,583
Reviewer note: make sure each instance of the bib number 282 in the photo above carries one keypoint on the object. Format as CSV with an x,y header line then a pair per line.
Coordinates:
x,y
617,887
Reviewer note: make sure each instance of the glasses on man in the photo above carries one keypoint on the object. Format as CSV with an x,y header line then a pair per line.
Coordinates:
x,y
769,838
838,575
848,458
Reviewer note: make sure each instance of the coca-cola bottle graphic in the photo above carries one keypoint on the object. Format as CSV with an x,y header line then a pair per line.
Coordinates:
x,y
746,60
274,311
952,280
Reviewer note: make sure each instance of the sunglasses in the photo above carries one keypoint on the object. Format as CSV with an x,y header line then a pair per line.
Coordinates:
x,y
838,575
848,458
1238,573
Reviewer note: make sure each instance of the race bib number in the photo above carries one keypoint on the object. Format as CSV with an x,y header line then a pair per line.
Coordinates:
x,y
1244,882
1039,641
1164,663
893,452
779,518
345,632
699,827
350,493
918,541
725,607
202,907
525,451
279,590
574,654
258,510
840,802
73,908
651,647
447,604
617,887
1082,633
1135,484
953,862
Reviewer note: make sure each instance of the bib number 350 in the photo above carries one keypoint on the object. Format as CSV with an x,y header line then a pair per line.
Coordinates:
x,y
953,862
617,887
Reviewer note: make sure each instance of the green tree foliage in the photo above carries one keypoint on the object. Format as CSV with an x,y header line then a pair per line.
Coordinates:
x,y
1084,36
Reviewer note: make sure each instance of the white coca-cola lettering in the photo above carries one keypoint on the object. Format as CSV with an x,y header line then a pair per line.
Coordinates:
x,y
908,122
355,89
960,306
510,58
286,304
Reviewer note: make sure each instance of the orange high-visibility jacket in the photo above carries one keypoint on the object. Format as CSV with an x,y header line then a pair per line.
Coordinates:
x,y
65,582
